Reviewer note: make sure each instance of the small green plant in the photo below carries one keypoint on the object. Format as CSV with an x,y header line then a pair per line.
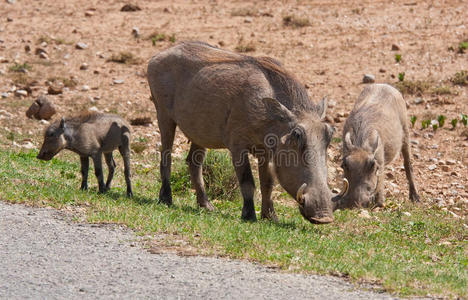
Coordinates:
x,y
124,57
441,119
464,119
460,78
172,38
220,176
248,47
462,47
435,125
413,120
10,136
295,21
418,87
454,123
397,58
401,76
157,37
425,123
21,67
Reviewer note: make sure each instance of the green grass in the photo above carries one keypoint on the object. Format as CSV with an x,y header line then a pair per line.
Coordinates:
x,y
424,253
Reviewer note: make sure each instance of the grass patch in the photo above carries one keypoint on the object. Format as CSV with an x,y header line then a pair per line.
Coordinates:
x,y
418,254
247,11
22,68
243,47
441,90
418,87
295,21
156,37
460,78
125,57
67,81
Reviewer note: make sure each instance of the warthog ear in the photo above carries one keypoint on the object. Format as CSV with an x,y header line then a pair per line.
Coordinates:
x,y
322,108
374,142
276,110
62,123
296,137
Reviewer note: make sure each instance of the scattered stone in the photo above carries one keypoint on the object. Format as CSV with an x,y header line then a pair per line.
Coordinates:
x,y
417,155
382,70
11,1
5,115
89,13
395,47
94,109
451,162
9,19
364,214
44,122
390,175
55,89
432,167
3,60
418,100
331,103
81,45
27,48
118,81
41,109
453,173
337,119
130,7
445,168
415,142
136,32
406,213
39,51
85,88
43,55
21,93
5,95
248,20
368,78
84,66
66,56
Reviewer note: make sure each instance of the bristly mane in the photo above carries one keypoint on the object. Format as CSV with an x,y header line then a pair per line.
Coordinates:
x,y
83,117
288,90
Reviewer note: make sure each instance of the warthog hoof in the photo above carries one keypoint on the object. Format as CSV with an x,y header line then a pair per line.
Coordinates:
x,y
207,205
165,200
249,215
414,197
270,216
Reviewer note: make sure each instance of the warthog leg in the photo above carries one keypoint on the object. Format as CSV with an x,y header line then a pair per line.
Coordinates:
x,y
111,167
266,187
97,160
405,150
241,163
125,152
167,128
195,160
84,172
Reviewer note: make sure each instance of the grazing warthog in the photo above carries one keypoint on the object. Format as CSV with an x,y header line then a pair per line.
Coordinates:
x,y
221,99
373,135
91,135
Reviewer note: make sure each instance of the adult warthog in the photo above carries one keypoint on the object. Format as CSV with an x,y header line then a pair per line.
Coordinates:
x,y
221,99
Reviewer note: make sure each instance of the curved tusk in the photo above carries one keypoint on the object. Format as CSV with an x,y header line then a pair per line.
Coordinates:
x,y
345,188
299,194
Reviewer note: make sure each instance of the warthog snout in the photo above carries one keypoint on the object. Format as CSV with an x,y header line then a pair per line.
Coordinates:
x,y
314,206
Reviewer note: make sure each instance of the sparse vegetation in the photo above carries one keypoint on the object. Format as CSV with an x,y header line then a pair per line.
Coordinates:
x,y
69,82
295,21
413,120
441,90
425,123
401,76
160,37
454,123
23,68
464,119
462,47
413,87
441,119
460,78
245,47
125,57
247,11
397,58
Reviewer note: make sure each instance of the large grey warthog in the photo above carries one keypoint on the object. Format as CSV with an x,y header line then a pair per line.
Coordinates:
x,y
221,99
91,135
373,135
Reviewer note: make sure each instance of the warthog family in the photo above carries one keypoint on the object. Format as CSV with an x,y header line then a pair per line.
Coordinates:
x,y
374,134
221,99
91,135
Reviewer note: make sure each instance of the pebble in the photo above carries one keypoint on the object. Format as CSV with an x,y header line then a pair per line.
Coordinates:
x,y
432,167
11,1
84,66
415,142
368,78
445,168
451,162
382,70
44,122
453,173
417,155
364,214
20,93
43,55
89,13
406,213
118,81
5,95
395,47
136,32
93,108
81,45
248,20
54,90
85,88
3,59
418,100
331,103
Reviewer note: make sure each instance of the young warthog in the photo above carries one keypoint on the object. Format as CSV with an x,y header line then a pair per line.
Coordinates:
x,y
221,99
373,135
91,135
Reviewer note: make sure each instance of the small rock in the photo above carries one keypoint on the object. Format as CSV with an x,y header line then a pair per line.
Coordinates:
x,y
445,168
39,51
93,108
417,155
9,19
368,78
5,115
41,109
89,13
136,32
28,145
11,1
44,122
248,20
43,55
27,48
453,173
81,45
451,162
415,142
382,70
84,66
85,88
395,47
418,100
118,81
337,119
331,103
3,59
406,213
66,56
130,7
55,90
364,214
389,175
432,167
21,93
5,95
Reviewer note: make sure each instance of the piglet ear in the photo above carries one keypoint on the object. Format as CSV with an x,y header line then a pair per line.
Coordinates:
x,y
322,108
62,123
374,142
347,141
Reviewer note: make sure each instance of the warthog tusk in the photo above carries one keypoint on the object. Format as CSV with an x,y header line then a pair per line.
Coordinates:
x,y
300,191
345,188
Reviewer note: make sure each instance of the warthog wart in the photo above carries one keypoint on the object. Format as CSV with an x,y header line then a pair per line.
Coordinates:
x,y
221,99
374,134
91,135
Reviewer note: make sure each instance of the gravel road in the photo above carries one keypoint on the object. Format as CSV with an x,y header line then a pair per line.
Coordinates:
x,y
45,255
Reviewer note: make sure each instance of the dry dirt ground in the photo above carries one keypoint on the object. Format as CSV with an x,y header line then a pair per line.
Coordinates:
x,y
342,41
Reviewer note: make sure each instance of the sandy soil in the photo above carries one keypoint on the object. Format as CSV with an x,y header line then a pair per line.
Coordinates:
x,y
344,41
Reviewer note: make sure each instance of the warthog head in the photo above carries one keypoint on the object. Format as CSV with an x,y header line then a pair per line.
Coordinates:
x,y
300,159
54,140
361,169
